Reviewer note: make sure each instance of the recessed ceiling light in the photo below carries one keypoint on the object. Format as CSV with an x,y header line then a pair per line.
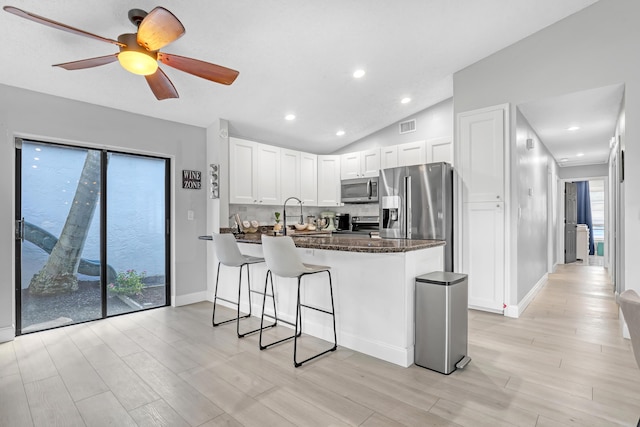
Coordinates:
x,y
564,160
290,117
340,133
573,128
358,73
405,100
580,154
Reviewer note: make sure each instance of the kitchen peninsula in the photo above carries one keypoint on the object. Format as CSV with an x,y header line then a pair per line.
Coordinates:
x,y
373,283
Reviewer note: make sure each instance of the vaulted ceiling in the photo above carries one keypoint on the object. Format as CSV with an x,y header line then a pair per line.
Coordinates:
x,y
294,57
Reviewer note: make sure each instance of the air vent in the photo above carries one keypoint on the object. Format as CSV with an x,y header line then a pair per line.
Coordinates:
x,y
408,126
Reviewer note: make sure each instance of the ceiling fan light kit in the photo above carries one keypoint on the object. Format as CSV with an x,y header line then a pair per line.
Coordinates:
x,y
136,59
139,52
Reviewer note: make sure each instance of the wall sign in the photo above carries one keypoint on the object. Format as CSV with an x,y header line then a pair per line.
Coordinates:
x,y
191,179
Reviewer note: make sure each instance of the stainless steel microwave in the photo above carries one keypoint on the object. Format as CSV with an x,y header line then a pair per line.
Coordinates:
x,y
359,190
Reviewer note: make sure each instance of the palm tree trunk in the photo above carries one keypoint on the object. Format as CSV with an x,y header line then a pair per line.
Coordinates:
x,y
59,274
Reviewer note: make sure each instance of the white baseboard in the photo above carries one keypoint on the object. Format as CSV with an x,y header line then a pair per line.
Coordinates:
x,y
516,310
8,333
179,300
396,355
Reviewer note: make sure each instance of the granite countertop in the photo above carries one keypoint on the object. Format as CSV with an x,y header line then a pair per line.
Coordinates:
x,y
337,242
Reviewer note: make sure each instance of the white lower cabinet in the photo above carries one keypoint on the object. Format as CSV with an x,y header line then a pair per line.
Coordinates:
x,y
483,254
329,180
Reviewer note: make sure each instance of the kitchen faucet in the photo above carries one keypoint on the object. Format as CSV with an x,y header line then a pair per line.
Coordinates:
x,y
284,213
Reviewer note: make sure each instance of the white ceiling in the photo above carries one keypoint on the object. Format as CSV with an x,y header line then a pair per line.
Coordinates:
x,y
594,111
293,56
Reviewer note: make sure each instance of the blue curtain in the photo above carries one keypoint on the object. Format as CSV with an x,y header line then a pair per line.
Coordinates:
x,y
584,210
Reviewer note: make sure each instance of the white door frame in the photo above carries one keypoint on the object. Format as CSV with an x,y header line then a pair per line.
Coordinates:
x,y
560,225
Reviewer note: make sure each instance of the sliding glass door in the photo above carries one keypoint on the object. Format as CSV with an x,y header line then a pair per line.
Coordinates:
x,y
136,236
91,237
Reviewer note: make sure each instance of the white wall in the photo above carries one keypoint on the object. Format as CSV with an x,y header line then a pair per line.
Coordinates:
x,y
588,171
592,48
433,122
48,118
530,193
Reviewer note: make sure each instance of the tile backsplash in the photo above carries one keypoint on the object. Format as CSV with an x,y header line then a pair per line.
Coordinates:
x,y
265,214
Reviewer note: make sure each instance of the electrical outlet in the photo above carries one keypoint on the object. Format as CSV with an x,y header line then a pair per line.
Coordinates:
x,y
190,215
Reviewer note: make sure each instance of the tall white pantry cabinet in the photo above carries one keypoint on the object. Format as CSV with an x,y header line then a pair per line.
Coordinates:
x,y
481,168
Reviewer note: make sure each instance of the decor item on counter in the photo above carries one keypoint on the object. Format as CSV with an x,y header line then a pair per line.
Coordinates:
x,y
236,218
330,218
250,226
301,227
140,51
277,226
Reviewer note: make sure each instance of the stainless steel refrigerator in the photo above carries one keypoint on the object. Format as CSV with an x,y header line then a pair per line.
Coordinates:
x,y
416,202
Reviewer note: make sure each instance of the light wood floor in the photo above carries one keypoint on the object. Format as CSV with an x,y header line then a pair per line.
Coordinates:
x,y
562,363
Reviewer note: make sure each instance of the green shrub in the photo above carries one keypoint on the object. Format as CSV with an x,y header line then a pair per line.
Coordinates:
x,y
127,283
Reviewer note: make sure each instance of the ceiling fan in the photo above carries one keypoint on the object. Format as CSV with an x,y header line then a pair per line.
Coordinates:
x,y
140,52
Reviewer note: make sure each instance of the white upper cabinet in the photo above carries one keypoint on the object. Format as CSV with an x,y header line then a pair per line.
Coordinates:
x,y
360,164
289,173
370,162
329,180
268,175
350,165
412,153
440,150
243,159
389,157
482,155
254,172
299,176
308,179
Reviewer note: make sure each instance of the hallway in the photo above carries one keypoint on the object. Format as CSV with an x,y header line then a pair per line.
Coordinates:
x,y
562,363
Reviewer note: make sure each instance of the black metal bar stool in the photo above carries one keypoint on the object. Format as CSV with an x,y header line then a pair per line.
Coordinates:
x,y
283,260
229,255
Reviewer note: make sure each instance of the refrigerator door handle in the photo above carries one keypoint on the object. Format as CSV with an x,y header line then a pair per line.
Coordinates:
x,y
407,207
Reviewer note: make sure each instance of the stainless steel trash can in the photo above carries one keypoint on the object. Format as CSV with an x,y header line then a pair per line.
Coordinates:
x,y
441,318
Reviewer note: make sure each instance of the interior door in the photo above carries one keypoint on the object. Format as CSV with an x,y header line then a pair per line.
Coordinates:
x,y
570,221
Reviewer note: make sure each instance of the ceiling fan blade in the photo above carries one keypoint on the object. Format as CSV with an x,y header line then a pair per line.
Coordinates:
x,y
53,24
205,70
159,28
88,63
161,86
